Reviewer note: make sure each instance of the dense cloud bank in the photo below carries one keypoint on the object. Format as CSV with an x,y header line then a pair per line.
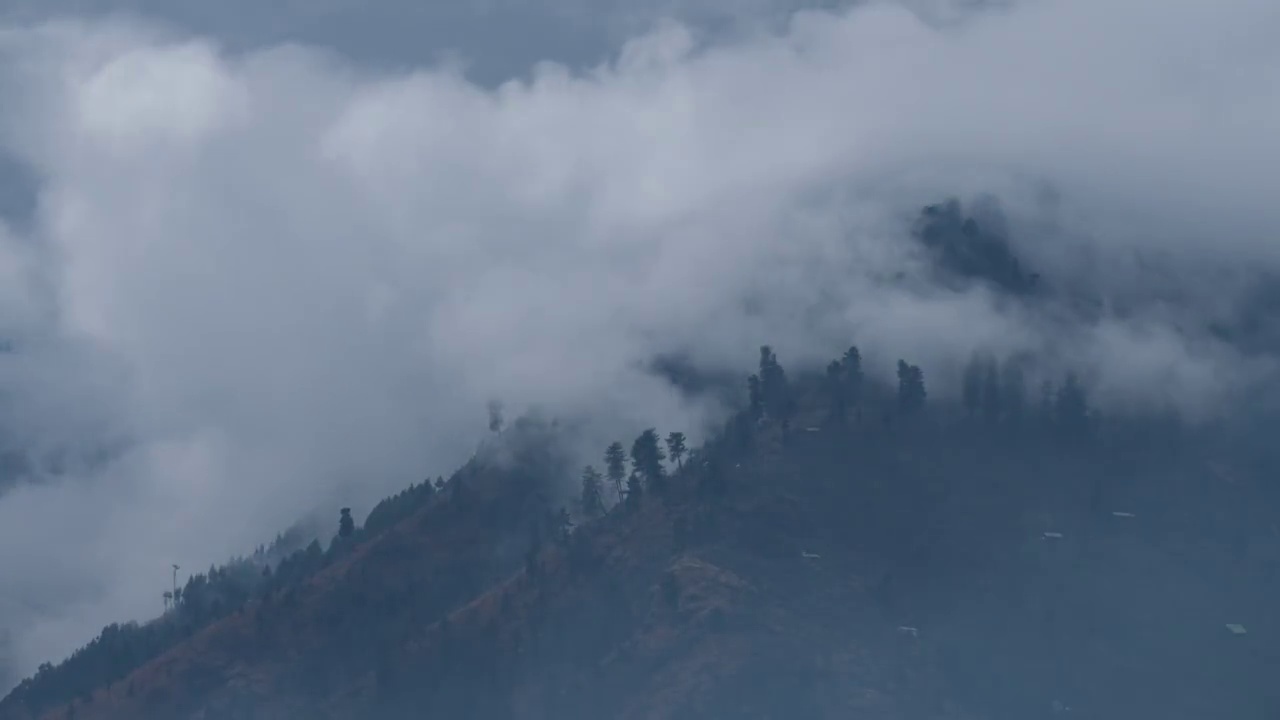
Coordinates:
x,y
257,281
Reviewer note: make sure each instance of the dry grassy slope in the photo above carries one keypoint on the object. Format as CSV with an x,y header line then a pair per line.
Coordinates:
x,y
630,624
689,608
405,578
680,608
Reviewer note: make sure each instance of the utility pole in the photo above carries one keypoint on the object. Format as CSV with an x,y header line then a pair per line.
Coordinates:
x,y
175,580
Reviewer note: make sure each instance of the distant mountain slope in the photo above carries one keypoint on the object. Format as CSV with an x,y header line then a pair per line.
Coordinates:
x,y
840,550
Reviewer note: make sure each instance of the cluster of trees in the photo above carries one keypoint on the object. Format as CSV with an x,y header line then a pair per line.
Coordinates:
x,y
997,394
965,249
992,392
647,471
122,647
206,598
768,393
844,384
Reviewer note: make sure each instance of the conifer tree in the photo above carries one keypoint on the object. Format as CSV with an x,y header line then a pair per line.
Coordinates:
x,y
773,384
851,365
911,392
755,399
495,416
676,448
835,390
646,459
615,465
592,492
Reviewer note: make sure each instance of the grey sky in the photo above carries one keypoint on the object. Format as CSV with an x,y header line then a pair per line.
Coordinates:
x,y
498,38
270,278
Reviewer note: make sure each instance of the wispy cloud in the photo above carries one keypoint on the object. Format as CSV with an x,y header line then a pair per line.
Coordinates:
x,y
273,278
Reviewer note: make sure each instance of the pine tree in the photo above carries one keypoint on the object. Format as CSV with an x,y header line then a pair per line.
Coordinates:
x,y
592,492
615,465
676,448
755,399
773,384
835,390
851,364
346,525
911,391
646,459
495,416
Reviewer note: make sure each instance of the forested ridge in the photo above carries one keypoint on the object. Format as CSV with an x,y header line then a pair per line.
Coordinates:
x,y
1015,500
812,468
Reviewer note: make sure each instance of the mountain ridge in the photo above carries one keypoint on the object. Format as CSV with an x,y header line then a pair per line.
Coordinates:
x,y
836,550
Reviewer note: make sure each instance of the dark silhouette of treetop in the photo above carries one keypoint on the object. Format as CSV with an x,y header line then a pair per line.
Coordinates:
x,y
676,447
911,392
615,465
592,496
646,459
495,416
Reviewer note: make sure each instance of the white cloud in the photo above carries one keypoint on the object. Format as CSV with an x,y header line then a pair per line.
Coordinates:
x,y
177,94
287,279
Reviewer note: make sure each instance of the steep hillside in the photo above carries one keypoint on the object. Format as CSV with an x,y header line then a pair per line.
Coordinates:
x,y
685,608
839,550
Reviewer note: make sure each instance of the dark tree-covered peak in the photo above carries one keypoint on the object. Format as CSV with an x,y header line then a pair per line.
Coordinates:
x,y
969,250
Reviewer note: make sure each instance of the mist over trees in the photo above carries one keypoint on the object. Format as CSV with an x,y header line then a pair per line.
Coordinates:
x,y
991,419
1058,410
995,412
844,404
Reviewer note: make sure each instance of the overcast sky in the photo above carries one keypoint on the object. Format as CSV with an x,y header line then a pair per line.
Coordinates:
x,y
272,260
